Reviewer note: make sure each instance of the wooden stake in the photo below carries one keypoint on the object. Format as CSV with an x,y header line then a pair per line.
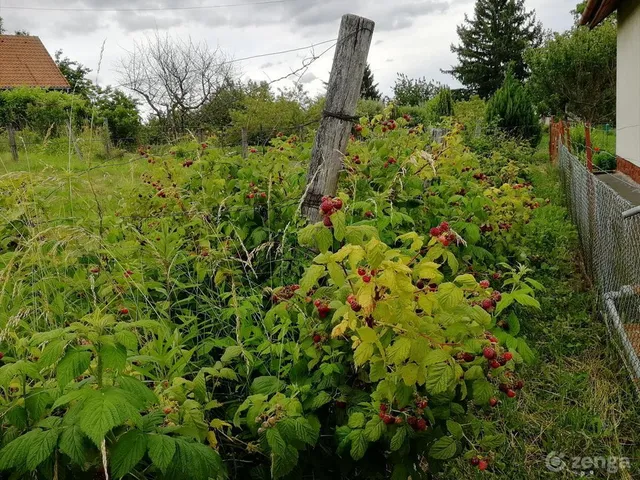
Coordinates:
x,y
245,143
587,141
72,139
107,138
343,92
12,142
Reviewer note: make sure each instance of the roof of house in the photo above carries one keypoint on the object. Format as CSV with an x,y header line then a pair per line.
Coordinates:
x,y
597,10
24,61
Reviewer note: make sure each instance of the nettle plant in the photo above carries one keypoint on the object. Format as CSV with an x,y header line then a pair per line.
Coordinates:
x,y
414,344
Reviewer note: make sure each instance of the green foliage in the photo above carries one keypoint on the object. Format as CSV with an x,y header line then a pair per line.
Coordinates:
x,y
196,327
511,109
575,65
496,37
369,89
443,106
605,161
413,91
40,109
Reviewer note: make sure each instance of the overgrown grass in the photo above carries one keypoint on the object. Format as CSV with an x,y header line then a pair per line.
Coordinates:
x,y
579,400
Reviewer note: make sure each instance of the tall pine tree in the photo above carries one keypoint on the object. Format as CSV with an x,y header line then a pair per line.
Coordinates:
x,y
495,38
369,89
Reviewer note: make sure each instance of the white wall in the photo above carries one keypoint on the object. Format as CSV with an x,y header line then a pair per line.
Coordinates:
x,y
628,72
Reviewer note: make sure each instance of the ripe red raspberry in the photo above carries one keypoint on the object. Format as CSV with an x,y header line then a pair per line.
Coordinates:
x,y
483,465
317,338
497,275
435,232
444,226
494,364
421,424
368,214
388,419
493,401
519,385
124,311
337,204
327,222
383,407
412,421
489,353
468,357
474,461
487,304
508,356
366,278
326,206
511,393
317,303
484,284
362,272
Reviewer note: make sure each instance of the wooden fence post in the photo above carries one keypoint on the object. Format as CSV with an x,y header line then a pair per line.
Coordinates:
x,y
343,92
72,139
12,142
588,148
245,143
107,138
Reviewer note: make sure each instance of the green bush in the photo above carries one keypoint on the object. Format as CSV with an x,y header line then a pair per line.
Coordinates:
x,y
369,108
511,110
443,103
604,161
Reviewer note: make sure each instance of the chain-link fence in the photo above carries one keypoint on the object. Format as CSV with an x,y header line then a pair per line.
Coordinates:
x,y
609,231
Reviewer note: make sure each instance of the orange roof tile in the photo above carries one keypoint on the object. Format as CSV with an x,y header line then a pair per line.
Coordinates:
x,y
24,61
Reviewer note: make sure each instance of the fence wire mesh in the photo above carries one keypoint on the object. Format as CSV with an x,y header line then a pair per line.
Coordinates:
x,y
611,250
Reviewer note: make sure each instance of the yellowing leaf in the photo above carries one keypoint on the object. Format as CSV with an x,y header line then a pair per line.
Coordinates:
x,y
212,439
367,335
336,273
449,295
429,271
339,329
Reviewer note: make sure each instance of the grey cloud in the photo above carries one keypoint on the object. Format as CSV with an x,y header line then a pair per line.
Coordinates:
x,y
133,22
308,78
294,16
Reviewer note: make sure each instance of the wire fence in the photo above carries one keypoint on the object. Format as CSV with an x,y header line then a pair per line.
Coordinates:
x,y
609,232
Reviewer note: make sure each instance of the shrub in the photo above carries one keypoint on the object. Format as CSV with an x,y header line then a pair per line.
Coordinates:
x,y
443,103
511,110
604,161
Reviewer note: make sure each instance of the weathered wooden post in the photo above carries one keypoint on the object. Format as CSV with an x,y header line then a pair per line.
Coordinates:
x,y
343,92
107,138
245,143
587,144
12,142
72,139
551,133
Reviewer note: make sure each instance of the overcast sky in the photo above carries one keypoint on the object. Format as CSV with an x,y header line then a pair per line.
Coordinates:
x,y
411,36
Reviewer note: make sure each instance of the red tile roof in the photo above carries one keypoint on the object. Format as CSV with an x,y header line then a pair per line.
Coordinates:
x,y
25,62
597,10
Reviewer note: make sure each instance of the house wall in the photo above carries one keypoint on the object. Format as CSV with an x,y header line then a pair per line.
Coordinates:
x,y
628,90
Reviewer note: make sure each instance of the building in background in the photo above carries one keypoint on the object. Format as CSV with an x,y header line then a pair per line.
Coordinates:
x,y
628,77
24,61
